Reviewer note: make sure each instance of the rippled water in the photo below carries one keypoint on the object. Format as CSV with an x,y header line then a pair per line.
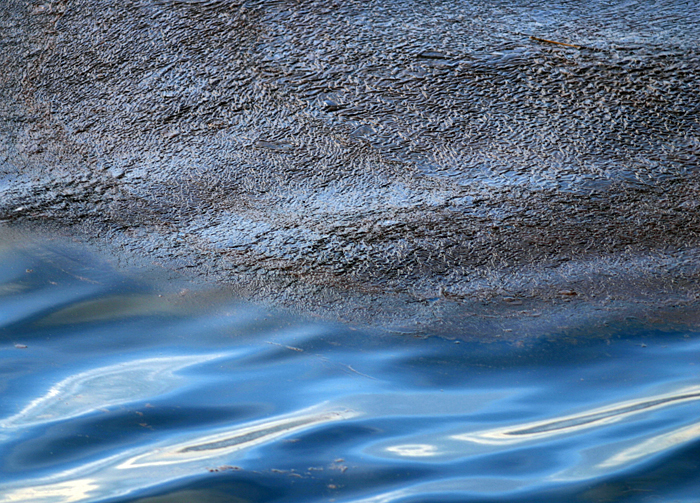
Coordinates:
x,y
115,389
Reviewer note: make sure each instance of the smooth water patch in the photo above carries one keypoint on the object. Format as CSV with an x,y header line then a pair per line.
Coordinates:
x,y
120,390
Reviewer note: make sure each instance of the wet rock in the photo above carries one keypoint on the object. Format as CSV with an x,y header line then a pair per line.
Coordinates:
x,y
401,148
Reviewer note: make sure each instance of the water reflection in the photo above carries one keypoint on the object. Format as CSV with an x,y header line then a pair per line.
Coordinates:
x,y
599,450
654,445
577,422
233,440
161,462
311,412
64,492
103,387
414,450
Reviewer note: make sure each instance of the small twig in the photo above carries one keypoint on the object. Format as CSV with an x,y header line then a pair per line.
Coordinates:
x,y
538,39
326,360
286,347
358,373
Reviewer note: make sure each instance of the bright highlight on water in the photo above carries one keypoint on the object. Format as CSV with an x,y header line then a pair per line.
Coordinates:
x,y
150,395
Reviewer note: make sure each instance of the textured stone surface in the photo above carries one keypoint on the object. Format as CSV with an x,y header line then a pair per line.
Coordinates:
x,y
402,161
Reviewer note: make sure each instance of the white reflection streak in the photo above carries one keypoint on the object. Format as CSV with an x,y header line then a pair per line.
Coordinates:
x,y
108,478
65,492
102,387
230,441
577,422
653,445
414,450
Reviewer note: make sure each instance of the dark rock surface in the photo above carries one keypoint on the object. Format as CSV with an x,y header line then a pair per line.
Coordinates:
x,y
399,162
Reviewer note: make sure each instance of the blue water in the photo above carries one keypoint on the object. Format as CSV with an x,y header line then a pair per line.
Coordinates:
x,y
122,389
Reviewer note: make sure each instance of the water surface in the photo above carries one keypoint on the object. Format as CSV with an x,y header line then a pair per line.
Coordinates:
x,y
124,390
